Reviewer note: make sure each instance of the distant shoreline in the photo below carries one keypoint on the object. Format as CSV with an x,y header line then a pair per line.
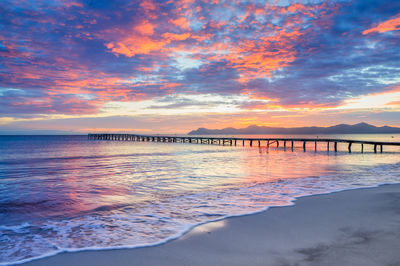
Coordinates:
x,y
177,134
361,128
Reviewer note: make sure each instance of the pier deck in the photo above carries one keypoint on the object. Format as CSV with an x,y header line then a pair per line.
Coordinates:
x,y
234,141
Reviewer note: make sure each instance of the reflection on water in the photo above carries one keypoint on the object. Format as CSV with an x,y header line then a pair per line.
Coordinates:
x,y
321,146
65,192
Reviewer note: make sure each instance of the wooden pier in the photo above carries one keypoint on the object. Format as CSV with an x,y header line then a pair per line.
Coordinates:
x,y
234,141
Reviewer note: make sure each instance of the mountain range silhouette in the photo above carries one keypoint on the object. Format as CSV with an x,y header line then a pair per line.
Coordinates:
x,y
360,128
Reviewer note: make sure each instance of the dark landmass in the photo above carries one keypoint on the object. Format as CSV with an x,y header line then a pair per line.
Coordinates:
x,y
361,128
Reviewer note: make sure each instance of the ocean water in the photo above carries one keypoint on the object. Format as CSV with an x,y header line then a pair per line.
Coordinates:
x,y
66,193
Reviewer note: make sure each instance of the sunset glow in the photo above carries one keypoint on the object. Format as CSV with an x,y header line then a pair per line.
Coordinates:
x,y
174,66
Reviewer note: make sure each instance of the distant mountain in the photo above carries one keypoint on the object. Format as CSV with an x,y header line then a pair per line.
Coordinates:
x,y
361,128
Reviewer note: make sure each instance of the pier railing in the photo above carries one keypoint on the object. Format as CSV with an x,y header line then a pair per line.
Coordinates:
x,y
234,141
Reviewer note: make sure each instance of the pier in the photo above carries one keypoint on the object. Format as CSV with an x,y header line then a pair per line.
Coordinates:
x,y
287,143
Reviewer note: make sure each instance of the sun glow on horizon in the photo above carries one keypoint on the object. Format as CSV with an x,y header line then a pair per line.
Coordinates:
x,y
373,101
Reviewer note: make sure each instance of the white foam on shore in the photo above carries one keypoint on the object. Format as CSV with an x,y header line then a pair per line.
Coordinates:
x,y
176,236
301,187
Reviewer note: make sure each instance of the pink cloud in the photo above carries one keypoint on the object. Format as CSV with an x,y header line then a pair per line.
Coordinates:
x,y
389,25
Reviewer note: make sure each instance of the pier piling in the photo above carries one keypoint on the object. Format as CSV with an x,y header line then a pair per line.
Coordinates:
x,y
233,141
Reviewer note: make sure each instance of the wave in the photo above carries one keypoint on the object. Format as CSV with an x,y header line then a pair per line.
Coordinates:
x,y
177,235
112,226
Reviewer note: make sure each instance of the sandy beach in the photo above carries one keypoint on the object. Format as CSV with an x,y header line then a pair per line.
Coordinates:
x,y
355,227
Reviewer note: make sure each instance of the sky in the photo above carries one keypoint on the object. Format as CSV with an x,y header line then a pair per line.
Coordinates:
x,y
173,66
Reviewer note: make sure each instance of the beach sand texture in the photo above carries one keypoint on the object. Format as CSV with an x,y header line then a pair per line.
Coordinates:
x,y
354,227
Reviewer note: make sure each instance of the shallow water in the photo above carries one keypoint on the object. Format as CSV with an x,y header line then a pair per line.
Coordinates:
x,y
67,193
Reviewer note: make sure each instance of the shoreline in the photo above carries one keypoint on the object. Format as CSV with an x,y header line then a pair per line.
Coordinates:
x,y
298,234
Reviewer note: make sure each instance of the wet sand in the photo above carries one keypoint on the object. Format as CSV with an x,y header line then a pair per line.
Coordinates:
x,y
355,227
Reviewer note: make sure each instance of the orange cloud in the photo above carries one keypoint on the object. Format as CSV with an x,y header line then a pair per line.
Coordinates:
x,y
142,40
389,25
145,28
394,104
172,36
135,44
181,22
260,58
148,5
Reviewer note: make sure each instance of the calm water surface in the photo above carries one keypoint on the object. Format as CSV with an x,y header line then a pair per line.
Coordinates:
x,y
62,193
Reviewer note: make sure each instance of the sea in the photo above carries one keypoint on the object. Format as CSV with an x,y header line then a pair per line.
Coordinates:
x,y
68,193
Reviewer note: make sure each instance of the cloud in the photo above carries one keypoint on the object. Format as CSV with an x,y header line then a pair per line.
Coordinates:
x,y
389,25
74,58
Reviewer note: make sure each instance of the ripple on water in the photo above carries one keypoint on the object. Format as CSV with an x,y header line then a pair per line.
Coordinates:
x,y
72,194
